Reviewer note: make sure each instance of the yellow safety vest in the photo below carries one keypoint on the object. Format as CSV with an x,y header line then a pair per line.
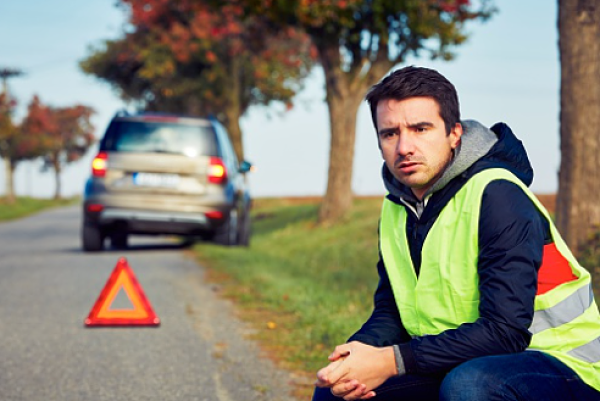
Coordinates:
x,y
566,322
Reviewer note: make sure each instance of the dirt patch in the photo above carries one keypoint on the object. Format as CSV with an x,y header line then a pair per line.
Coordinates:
x,y
548,200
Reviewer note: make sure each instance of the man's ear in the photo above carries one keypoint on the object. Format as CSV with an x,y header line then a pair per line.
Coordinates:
x,y
455,135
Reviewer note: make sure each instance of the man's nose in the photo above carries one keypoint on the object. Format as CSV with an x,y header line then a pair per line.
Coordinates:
x,y
405,145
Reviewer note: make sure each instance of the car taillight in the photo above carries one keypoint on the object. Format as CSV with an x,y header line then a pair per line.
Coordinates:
x,y
215,214
99,165
217,173
95,208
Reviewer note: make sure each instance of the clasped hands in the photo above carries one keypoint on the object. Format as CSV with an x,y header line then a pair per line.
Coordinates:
x,y
356,369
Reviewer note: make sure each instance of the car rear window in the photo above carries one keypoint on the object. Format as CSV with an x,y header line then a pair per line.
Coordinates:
x,y
160,137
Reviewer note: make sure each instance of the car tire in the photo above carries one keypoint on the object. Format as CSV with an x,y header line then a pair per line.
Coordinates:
x,y
245,230
92,238
119,240
226,234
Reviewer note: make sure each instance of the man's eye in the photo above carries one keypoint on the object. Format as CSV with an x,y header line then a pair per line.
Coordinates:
x,y
421,129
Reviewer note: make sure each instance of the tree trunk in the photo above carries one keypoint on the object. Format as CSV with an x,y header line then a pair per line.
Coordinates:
x,y
343,98
232,123
57,171
578,209
9,169
233,107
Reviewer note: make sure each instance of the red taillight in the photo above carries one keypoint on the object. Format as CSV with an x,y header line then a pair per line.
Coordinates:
x,y
217,173
99,165
215,214
94,207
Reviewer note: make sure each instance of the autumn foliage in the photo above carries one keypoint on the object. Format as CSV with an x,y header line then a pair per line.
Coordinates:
x,y
221,56
190,57
358,42
60,135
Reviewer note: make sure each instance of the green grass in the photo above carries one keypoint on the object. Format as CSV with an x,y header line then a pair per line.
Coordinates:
x,y
313,284
590,259
25,206
305,288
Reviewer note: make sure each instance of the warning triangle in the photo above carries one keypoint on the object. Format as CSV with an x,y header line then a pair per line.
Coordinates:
x,y
122,282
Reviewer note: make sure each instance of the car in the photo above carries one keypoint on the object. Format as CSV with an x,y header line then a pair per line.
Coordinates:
x,y
163,174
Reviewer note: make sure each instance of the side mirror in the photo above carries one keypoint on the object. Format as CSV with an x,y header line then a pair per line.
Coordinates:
x,y
245,167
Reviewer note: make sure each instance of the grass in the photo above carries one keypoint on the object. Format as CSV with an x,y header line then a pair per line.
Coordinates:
x,y
590,259
306,288
25,206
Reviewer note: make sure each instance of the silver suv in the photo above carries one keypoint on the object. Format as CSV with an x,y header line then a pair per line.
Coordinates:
x,y
165,175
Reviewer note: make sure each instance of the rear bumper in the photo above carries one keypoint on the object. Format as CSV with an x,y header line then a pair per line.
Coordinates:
x,y
152,222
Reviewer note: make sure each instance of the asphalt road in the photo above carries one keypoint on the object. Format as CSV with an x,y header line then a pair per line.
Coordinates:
x,y
48,287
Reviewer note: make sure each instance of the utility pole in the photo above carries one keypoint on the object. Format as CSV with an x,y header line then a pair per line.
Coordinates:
x,y
6,73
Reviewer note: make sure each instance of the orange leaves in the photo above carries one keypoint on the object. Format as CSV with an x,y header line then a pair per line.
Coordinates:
x,y
7,104
8,130
39,120
210,56
48,130
452,6
146,12
200,24
203,56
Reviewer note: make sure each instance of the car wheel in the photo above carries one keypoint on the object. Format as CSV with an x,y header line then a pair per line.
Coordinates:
x,y
227,233
245,230
92,238
119,240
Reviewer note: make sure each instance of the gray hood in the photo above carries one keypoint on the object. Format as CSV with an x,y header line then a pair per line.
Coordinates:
x,y
475,142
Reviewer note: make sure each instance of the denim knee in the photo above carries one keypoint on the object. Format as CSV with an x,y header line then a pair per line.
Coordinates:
x,y
470,381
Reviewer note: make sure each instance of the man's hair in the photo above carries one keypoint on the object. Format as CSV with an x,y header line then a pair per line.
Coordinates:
x,y
417,81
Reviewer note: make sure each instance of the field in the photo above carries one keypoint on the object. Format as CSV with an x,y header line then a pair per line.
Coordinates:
x,y
25,206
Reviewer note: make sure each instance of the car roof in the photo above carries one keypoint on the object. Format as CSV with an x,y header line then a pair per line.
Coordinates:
x,y
164,118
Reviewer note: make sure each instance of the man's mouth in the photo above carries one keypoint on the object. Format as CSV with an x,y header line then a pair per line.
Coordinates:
x,y
407,167
403,165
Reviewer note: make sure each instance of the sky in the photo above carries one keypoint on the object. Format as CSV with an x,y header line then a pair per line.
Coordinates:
x,y
507,71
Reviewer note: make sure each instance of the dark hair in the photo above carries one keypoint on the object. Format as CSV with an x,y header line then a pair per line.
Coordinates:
x,y
417,81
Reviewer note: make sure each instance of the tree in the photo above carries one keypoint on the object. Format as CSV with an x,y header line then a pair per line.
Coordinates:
x,y
183,56
8,134
69,141
8,131
17,144
59,135
358,42
578,209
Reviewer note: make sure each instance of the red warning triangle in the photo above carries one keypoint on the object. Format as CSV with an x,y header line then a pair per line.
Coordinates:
x,y
122,279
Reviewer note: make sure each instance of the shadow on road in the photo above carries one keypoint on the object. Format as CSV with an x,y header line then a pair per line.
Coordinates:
x,y
141,245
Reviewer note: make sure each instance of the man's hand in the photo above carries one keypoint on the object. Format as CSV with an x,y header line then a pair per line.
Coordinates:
x,y
356,369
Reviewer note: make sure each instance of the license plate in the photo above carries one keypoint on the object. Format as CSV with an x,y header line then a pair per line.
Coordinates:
x,y
156,180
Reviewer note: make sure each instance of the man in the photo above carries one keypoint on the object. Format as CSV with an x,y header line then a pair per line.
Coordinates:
x,y
479,298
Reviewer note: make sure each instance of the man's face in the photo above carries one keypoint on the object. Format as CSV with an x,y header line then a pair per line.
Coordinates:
x,y
413,141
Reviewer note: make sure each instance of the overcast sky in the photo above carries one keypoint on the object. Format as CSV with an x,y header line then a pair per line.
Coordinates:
x,y
508,71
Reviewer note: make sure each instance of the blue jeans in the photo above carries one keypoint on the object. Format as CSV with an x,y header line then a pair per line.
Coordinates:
x,y
526,376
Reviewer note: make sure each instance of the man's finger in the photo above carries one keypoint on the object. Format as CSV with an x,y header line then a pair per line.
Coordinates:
x,y
337,372
347,388
356,394
339,352
368,395
323,379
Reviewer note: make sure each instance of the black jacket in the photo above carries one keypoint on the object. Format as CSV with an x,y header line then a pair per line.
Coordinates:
x,y
512,234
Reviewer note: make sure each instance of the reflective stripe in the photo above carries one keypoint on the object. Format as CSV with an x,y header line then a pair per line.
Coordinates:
x,y
589,352
564,311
